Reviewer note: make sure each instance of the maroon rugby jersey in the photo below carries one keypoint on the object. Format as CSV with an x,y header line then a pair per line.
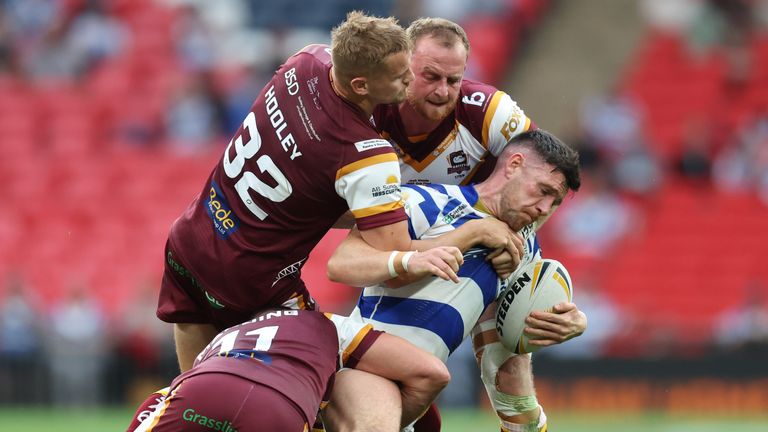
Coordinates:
x,y
295,352
302,157
480,126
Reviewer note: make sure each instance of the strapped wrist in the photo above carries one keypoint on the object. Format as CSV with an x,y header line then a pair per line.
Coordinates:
x,y
407,257
391,264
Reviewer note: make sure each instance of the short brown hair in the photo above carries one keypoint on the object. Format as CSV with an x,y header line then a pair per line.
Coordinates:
x,y
553,151
445,31
362,43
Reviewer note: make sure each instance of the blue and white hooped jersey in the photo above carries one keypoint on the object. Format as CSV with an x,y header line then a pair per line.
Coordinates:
x,y
434,314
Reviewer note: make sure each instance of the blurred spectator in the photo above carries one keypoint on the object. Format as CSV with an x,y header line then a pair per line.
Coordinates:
x,y
747,324
8,56
638,171
744,165
613,122
241,90
673,16
96,36
53,57
591,159
594,223
20,345
694,162
76,347
612,125
61,44
194,41
460,10
31,19
195,115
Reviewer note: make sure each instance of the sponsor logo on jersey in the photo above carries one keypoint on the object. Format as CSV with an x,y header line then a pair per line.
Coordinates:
x,y
191,416
291,269
224,221
391,187
419,182
183,272
371,144
456,213
458,161
315,92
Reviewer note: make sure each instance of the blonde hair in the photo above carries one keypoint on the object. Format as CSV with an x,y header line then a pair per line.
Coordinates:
x,y
445,31
362,43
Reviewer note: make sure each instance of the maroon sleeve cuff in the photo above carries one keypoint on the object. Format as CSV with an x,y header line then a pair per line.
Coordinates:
x,y
362,348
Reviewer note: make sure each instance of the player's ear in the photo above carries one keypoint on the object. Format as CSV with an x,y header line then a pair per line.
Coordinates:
x,y
360,86
514,161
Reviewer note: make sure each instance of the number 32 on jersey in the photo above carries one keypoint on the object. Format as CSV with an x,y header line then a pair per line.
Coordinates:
x,y
247,179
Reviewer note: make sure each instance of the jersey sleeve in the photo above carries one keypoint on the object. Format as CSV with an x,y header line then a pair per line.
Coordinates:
x,y
371,186
147,407
355,338
503,121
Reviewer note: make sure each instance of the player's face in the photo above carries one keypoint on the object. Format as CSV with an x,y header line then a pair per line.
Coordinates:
x,y
532,193
389,85
438,72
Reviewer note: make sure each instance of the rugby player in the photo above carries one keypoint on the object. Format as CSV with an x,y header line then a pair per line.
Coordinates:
x,y
305,153
273,372
534,174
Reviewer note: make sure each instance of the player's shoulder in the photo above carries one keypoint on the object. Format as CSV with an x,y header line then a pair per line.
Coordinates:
x,y
476,96
312,60
315,52
469,87
366,152
476,100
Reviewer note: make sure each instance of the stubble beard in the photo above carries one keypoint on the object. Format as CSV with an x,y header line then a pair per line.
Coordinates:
x,y
434,114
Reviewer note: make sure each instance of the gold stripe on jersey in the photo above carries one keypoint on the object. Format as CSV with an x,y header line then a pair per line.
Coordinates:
x,y
419,166
364,163
417,138
377,209
489,116
166,403
355,343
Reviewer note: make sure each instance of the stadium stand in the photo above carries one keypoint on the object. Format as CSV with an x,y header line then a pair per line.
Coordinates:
x,y
94,182
92,175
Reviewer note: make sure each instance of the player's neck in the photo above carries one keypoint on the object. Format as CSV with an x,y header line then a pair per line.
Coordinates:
x,y
488,198
362,102
414,122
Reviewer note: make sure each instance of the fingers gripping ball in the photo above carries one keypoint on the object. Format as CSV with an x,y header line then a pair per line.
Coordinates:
x,y
539,285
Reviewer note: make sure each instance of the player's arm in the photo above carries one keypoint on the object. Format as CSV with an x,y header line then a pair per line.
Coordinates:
x,y
371,188
346,221
356,263
420,376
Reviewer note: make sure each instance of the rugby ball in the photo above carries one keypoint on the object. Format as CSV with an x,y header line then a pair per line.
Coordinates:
x,y
540,285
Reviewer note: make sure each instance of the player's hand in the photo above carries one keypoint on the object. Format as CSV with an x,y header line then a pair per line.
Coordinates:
x,y
442,261
503,263
498,236
550,328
